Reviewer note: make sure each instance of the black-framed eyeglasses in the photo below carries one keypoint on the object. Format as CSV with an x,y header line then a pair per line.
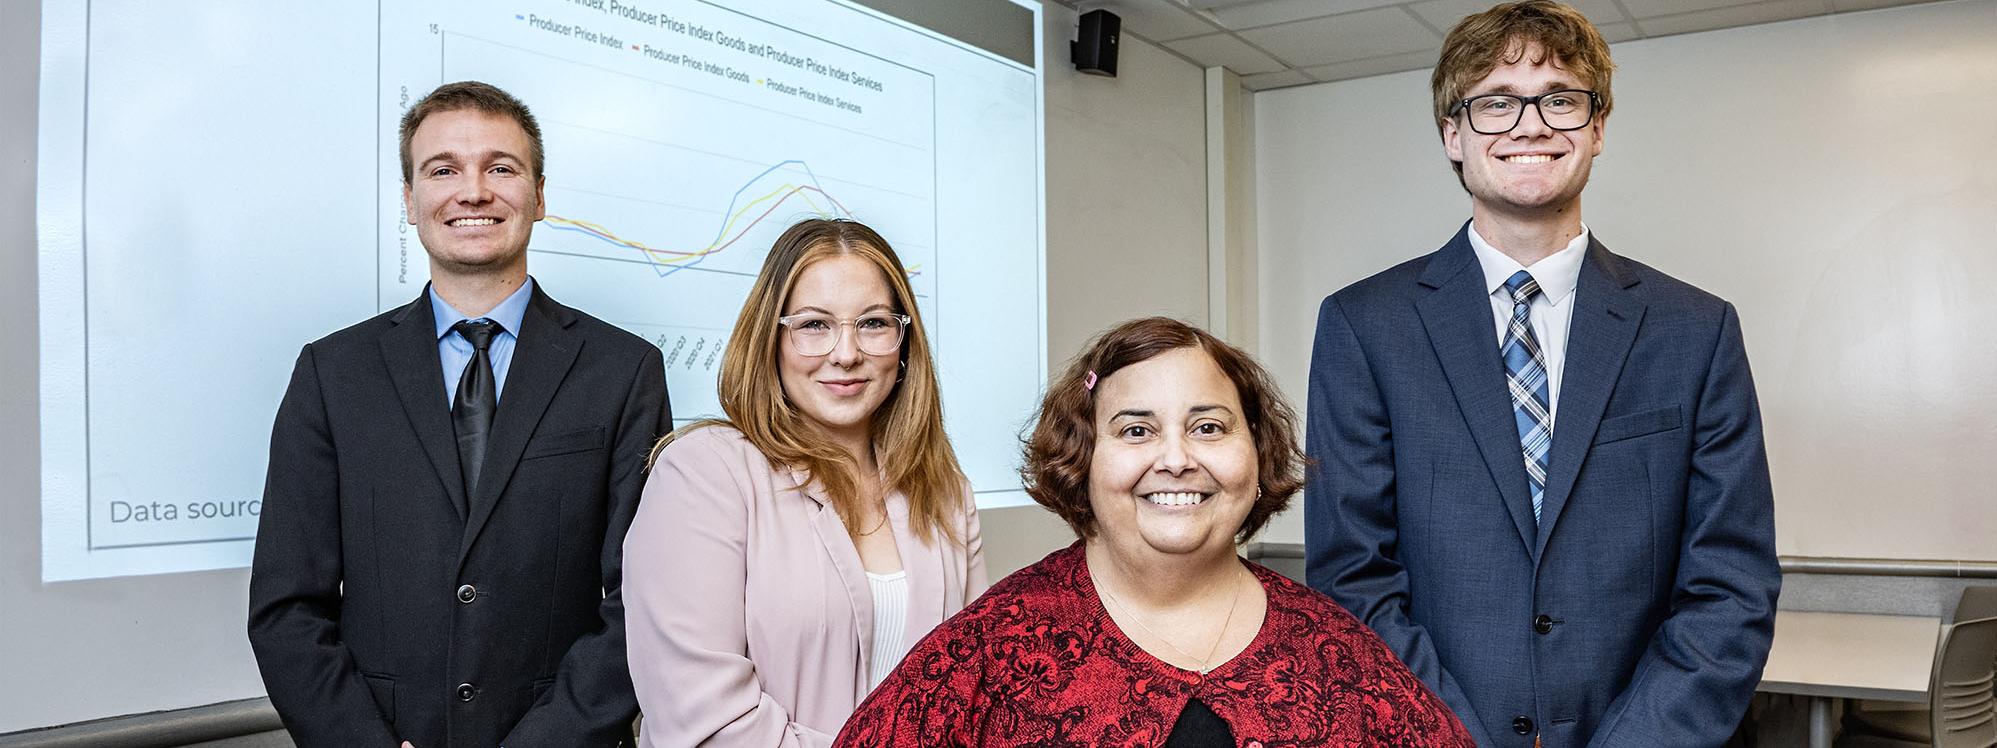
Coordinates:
x,y
1497,114
877,334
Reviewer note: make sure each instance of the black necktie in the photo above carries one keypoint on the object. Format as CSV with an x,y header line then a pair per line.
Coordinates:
x,y
477,400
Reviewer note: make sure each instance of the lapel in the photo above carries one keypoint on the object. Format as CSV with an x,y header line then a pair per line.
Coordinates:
x,y
1606,317
852,573
1457,316
543,353
409,350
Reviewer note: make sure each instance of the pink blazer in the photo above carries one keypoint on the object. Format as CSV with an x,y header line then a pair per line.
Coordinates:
x,y
748,617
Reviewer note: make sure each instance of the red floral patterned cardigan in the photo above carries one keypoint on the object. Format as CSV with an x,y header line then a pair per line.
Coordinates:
x,y
1036,661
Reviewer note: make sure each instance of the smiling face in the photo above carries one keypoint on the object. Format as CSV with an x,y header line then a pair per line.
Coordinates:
x,y
1534,170
839,391
473,197
1174,469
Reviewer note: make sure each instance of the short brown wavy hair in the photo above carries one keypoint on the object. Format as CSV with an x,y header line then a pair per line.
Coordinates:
x,y
1061,446
1504,35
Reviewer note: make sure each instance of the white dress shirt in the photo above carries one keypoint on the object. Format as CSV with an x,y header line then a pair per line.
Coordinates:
x,y
1552,309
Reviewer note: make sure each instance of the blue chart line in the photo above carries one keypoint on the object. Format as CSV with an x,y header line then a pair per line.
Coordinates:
x,y
677,260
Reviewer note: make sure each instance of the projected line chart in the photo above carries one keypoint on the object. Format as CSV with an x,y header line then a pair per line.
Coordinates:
x,y
738,222
674,207
674,164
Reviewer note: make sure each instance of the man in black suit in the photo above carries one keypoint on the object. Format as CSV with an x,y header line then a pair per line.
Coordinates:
x,y
439,552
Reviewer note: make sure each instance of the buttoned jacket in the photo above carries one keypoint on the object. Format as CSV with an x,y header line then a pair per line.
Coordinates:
x,y
386,605
1638,608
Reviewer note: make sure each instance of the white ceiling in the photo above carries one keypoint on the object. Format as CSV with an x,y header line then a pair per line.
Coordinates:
x,y
1277,43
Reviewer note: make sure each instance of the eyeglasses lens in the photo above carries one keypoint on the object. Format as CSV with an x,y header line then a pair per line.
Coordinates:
x,y
874,334
1496,114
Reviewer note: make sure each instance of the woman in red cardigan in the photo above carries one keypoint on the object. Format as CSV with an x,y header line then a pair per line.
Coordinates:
x,y
1162,447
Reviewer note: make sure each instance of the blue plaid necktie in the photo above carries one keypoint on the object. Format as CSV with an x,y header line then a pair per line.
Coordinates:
x,y
1525,376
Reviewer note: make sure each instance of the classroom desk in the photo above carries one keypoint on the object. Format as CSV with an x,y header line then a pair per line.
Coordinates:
x,y
1828,656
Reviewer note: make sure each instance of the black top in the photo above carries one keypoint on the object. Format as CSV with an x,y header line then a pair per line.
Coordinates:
x,y
1199,727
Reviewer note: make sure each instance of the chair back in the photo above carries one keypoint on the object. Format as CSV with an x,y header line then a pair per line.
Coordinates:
x,y
1978,601
1962,705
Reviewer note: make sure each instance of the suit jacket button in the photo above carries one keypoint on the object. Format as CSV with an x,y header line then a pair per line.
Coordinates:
x,y
469,593
1520,724
467,691
1543,624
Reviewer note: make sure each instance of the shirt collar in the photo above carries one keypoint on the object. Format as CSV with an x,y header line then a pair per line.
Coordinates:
x,y
1557,273
509,314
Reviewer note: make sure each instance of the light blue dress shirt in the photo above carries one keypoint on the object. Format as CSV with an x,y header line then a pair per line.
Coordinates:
x,y
456,351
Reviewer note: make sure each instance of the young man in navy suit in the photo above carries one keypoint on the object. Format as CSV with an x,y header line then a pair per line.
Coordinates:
x,y
439,557
1540,471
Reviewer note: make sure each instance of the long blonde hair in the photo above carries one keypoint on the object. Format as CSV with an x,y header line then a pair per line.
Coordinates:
x,y
907,428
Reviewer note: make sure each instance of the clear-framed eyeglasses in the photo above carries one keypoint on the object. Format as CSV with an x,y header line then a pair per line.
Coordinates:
x,y
814,334
1497,114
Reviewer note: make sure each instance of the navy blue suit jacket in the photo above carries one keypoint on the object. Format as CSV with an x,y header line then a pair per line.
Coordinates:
x,y
1639,609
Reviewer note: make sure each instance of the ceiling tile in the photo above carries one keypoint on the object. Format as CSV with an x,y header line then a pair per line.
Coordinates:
x,y
1226,51
1353,36
1842,6
1721,18
1278,79
1375,66
1618,32
1443,14
1645,9
1600,12
1270,12
1157,20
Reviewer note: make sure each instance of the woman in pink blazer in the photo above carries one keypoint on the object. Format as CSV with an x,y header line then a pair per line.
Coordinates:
x,y
784,559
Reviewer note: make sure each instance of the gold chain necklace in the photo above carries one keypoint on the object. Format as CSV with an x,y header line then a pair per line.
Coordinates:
x,y
878,525
883,504
1205,662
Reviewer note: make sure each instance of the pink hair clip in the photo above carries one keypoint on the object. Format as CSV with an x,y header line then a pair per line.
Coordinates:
x,y
1089,382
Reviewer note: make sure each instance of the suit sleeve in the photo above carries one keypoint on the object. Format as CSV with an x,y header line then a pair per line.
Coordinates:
x,y
1702,665
592,696
688,623
1350,523
294,616
976,579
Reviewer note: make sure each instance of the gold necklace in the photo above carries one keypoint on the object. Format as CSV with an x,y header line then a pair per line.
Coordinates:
x,y
878,525
1205,662
883,504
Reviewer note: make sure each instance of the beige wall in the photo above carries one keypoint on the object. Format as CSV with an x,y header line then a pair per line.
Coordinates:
x,y
1126,221
1126,190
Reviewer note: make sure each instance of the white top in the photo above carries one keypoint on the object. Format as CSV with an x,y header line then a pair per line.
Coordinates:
x,y
890,623
1552,310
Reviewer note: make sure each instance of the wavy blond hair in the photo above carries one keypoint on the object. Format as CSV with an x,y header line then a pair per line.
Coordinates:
x,y
907,429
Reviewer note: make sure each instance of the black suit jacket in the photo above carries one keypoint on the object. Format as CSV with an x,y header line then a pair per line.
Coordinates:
x,y
381,612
